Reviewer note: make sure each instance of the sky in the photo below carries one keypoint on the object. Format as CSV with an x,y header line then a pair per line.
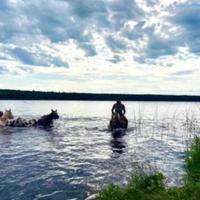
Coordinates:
x,y
101,46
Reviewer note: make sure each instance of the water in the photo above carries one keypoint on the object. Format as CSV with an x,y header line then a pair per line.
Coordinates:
x,y
76,157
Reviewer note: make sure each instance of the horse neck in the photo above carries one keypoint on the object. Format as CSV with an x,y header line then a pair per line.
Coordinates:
x,y
4,117
117,116
48,117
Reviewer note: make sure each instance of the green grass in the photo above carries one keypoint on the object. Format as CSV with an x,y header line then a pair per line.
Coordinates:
x,y
143,186
193,161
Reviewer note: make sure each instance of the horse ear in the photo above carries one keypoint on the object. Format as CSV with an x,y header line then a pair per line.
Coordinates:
x,y
56,110
51,110
10,109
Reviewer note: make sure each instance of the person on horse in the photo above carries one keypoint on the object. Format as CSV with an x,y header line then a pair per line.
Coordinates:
x,y
119,108
118,119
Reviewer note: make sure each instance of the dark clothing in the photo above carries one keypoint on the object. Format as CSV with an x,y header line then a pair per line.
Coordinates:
x,y
119,108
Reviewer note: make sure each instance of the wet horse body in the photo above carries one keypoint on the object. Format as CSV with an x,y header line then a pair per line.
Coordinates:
x,y
20,122
118,122
46,120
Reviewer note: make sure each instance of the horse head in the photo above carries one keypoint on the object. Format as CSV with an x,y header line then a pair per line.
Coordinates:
x,y
54,114
8,114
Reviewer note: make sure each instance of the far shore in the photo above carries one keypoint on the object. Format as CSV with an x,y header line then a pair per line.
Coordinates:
x,y
6,94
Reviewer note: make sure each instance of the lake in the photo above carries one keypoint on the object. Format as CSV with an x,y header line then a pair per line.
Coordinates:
x,y
78,155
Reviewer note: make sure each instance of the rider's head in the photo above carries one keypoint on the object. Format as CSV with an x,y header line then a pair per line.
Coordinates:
x,y
1,113
118,101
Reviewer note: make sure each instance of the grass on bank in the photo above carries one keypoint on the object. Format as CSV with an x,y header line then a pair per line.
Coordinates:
x,y
193,161
143,186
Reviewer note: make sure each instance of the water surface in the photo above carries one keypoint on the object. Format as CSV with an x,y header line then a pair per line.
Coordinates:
x,y
78,155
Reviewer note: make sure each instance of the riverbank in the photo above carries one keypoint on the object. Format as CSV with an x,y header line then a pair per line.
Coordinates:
x,y
144,186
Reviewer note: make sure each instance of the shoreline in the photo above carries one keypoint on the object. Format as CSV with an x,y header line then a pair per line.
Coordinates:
x,y
71,96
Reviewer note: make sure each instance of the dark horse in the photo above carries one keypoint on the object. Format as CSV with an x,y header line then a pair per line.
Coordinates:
x,y
118,122
118,126
45,121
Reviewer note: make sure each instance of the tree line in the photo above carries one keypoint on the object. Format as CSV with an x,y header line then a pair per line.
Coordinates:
x,y
6,94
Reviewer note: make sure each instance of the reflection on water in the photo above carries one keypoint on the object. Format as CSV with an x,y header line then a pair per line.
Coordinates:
x,y
117,145
78,155
117,142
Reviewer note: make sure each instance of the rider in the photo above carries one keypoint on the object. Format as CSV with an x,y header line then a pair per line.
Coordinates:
x,y
119,108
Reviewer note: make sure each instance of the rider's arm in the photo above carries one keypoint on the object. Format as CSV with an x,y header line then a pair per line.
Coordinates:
x,y
113,108
124,109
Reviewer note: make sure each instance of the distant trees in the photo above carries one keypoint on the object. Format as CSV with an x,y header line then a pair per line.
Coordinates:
x,y
37,95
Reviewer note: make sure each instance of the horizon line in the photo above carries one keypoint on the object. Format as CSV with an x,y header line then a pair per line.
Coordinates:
x,y
94,93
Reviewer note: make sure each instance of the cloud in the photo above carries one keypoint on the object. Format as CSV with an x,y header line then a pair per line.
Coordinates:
x,y
3,5
36,59
123,11
12,70
23,56
115,59
160,47
115,44
187,18
56,21
88,48
61,21
183,73
87,8
58,62
133,31
3,70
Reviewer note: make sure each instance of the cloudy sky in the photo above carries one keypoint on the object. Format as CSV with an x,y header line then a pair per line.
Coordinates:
x,y
109,46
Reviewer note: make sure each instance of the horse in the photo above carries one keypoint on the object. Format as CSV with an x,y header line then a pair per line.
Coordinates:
x,y
45,121
5,117
118,122
20,122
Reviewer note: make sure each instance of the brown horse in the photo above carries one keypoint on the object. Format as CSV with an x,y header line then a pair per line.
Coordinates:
x,y
118,121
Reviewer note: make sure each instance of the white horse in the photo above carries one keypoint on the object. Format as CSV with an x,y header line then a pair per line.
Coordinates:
x,y
5,117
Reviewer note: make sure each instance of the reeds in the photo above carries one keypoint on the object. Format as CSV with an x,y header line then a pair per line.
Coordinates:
x,y
193,161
